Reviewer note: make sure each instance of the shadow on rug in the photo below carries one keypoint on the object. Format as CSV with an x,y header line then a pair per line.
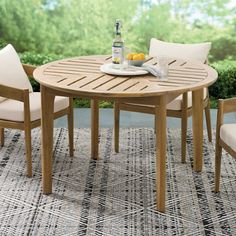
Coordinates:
x,y
115,195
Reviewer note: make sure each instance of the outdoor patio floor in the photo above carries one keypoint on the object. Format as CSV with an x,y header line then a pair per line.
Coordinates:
x,y
116,194
131,119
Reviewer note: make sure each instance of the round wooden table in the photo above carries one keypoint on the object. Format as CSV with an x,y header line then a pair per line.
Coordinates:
x,y
81,77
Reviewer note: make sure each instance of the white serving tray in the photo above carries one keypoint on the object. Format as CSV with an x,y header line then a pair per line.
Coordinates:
x,y
108,69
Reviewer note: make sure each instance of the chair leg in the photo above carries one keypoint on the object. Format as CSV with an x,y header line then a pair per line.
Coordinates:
x,y
184,125
70,121
2,136
208,121
117,125
27,128
28,150
217,167
155,124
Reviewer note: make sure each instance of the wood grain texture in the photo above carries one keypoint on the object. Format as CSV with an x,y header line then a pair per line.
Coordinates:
x,y
22,95
2,136
161,153
29,69
27,129
197,101
81,77
117,125
47,107
224,106
184,126
94,128
70,125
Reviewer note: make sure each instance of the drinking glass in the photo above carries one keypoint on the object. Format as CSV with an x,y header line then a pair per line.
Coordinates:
x,y
125,64
163,66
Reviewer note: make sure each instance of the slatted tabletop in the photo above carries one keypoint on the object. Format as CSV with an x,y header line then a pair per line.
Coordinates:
x,y
83,76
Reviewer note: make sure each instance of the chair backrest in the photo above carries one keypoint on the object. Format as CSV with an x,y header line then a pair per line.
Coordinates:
x,y
11,70
196,51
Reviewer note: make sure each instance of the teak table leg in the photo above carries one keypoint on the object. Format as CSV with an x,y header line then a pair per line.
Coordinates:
x,y
117,125
160,113
70,125
94,128
47,102
197,128
2,137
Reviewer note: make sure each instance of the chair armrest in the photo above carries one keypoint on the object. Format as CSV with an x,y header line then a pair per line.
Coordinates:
x,y
13,93
29,69
227,105
224,106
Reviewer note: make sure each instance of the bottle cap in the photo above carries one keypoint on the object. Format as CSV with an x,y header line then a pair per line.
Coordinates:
x,y
118,24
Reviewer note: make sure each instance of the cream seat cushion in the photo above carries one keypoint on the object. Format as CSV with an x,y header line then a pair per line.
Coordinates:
x,y
12,73
196,51
14,110
177,102
228,135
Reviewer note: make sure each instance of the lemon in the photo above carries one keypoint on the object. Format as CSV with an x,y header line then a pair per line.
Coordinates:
x,y
137,57
130,56
142,56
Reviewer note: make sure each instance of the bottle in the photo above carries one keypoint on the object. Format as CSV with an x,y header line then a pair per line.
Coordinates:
x,y
117,47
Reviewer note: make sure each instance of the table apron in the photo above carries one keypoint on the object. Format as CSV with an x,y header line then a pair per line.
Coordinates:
x,y
152,100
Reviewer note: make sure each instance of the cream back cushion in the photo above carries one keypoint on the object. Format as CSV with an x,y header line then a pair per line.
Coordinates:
x,y
228,135
196,51
12,73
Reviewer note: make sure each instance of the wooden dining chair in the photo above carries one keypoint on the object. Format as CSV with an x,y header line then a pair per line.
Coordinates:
x,y
180,107
225,136
20,107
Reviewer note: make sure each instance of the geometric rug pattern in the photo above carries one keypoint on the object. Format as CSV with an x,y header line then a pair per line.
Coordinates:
x,y
115,195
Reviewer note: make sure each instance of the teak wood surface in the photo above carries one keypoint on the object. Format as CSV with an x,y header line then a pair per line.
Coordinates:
x,y
81,77
27,125
224,106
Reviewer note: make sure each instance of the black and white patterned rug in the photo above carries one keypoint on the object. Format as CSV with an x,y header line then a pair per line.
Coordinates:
x,y
115,195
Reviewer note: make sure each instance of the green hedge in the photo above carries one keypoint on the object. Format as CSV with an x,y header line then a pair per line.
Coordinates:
x,y
37,60
224,87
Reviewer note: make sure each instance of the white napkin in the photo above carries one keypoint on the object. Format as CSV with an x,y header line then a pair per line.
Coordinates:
x,y
154,70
